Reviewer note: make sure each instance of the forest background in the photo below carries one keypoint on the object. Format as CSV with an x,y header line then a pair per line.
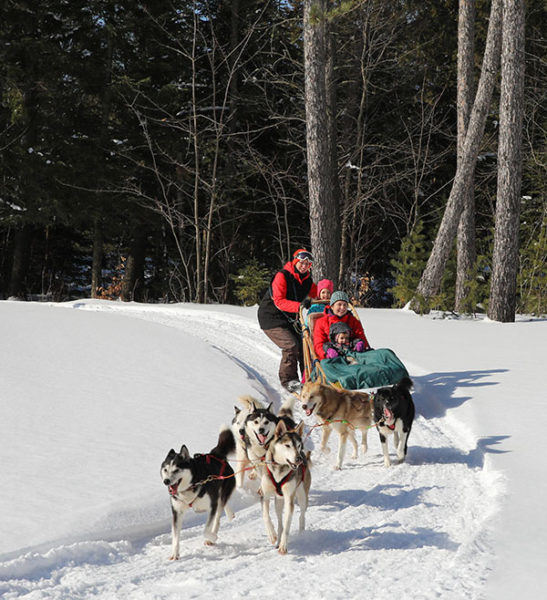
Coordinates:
x,y
156,151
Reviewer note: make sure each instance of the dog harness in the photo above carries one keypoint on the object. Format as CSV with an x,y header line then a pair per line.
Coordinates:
x,y
197,485
279,484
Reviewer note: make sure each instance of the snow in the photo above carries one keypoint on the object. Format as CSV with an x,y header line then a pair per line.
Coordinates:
x,y
95,393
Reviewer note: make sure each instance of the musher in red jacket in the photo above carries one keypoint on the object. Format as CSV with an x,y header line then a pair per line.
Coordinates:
x,y
338,311
278,312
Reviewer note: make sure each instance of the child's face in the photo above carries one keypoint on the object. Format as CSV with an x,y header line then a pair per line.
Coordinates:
x,y
324,294
342,339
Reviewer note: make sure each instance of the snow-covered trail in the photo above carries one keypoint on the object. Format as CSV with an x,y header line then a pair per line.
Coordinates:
x,y
414,530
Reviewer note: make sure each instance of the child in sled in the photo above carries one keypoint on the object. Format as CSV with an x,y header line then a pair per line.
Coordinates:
x,y
340,342
324,290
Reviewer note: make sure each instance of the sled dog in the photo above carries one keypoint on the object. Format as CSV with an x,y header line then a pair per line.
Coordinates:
x,y
394,413
344,411
286,476
248,404
203,482
260,427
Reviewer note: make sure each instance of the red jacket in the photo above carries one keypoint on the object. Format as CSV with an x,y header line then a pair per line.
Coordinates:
x,y
280,305
279,289
323,325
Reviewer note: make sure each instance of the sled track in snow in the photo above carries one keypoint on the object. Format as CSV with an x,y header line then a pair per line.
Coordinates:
x,y
371,532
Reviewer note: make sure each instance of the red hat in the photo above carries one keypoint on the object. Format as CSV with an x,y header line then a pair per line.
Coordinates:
x,y
325,283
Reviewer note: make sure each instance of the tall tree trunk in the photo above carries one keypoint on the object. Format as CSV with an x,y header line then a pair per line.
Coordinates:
x,y
330,88
198,275
505,258
106,109
97,264
466,245
322,210
19,267
430,281
133,279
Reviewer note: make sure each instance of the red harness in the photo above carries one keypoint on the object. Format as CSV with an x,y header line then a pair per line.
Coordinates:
x,y
279,484
208,458
222,462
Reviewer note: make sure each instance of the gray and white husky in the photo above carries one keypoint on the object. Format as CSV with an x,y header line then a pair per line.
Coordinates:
x,y
259,430
286,477
203,482
248,405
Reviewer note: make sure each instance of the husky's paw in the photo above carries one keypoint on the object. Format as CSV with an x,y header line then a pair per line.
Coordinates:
x,y
208,543
355,455
387,463
174,557
337,468
326,450
252,475
260,492
273,539
282,550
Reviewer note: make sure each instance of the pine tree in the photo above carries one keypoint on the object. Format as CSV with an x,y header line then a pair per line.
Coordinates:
x,y
409,265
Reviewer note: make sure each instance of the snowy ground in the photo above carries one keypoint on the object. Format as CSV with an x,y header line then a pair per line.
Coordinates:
x,y
94,394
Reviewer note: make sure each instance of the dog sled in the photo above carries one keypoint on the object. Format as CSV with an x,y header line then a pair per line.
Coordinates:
x,y
369,370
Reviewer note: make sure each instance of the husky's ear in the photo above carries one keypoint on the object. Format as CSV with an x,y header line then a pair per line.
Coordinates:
x,y
300,428
238,410
184,454
171,453
269,407
281,428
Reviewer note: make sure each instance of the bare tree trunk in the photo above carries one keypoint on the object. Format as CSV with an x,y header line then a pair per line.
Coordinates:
x,y
96,266
322,210
430,281
330,88
198,276
466,245
505,258
19,267
133,279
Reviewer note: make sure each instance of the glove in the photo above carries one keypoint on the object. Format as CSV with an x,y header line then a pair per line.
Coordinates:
x,y
360,346
331,353
306,303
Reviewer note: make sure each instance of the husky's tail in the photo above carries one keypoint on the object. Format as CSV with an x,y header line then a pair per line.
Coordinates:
x,y
406,384
250,403
226,443
286,413
286,409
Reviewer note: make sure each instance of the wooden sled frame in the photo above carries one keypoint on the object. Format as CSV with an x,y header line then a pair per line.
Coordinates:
x,y
312,365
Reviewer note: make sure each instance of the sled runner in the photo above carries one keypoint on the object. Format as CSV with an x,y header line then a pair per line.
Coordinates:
x,y
371,369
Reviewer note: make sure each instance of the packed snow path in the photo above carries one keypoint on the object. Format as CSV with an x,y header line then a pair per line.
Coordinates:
x,y
416,530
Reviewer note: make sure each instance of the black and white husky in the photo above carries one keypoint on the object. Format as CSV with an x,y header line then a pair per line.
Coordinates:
x,y
259,430
286,477
203,482
394,414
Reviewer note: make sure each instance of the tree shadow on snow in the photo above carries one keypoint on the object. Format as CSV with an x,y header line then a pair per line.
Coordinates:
x,y
422,455
383,537
433,393
380,497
